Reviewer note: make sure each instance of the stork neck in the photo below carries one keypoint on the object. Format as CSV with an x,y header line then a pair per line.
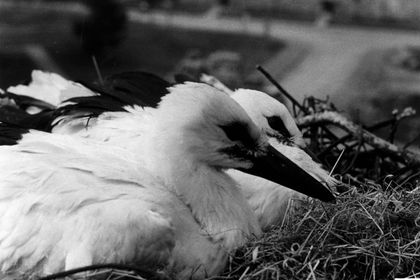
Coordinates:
x,y
213,197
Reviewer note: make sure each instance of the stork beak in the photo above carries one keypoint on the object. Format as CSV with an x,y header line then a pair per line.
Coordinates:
x,y
274,166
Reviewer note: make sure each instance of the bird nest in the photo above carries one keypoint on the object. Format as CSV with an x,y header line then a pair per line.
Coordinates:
x,y
371,232
363,155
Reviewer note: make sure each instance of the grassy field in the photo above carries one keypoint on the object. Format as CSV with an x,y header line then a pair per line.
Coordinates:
x,y
145,47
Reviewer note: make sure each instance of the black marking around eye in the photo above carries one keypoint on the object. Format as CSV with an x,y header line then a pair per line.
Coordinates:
x,y
238,131
236,152
277,124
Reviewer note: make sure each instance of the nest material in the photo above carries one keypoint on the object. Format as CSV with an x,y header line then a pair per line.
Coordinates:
x,y
368,234
372,232
366,156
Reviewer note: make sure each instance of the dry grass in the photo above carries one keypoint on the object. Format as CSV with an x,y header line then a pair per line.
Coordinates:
x,y
370,233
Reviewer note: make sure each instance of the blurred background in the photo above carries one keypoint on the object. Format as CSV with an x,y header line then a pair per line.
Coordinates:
x,y
364,55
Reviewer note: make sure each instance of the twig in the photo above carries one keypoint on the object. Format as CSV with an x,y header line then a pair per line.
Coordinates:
x,y
281,89
406,113
98,72
353,160
334,144
338,160
369,138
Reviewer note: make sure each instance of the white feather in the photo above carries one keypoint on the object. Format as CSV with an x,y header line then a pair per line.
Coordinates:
x,y
260,105
68,201
59,200
268,200
51,88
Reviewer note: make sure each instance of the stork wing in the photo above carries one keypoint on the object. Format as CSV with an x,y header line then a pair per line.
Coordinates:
x,y
119,90
61,209
18,117
84,101
136,88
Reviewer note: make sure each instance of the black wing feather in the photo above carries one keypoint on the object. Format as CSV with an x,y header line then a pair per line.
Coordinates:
x,y
19,118
138,88
24,101
119,90
10,134
132,88
90,106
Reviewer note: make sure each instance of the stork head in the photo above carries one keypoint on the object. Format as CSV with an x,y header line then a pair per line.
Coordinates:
x,y
270,115
206,126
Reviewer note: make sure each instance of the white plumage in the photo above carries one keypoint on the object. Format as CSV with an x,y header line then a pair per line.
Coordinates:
x,y
68,202
259,106
267,199
50,87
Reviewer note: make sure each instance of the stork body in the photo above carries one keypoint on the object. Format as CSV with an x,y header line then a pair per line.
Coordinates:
x,y
268,200
71,209
67,202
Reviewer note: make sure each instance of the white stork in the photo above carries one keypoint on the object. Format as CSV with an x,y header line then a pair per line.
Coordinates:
x,y
268,200
67,202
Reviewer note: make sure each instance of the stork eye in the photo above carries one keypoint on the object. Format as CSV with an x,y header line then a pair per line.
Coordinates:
x,y
276,123
238,131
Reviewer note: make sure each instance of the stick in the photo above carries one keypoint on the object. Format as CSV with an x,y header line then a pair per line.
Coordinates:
x,y
337,161
281,89
406,113
98,72
336,119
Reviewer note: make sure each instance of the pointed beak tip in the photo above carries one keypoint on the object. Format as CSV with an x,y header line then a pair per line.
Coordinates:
x,y
276,167
324,194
